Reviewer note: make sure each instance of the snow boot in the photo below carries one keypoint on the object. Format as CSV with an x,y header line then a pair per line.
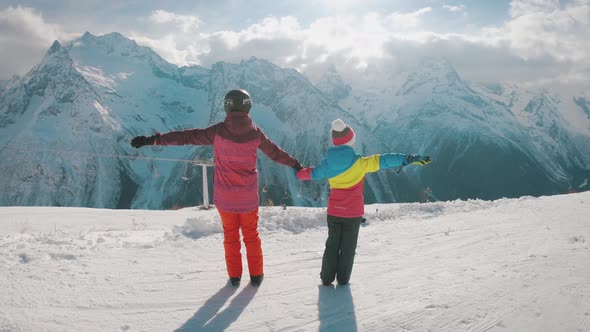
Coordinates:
x,y
235,281
256,280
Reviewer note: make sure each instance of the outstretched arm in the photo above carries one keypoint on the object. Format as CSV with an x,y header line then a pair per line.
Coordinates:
x,y
188,137
388,160
314,173
275,153
185,137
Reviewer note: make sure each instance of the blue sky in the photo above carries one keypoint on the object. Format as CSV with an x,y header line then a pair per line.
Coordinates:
x,y
526,41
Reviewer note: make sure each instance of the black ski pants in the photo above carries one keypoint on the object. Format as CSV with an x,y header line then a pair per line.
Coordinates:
x,y
340,249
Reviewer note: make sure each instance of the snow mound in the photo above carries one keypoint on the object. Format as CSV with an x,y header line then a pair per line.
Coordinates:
x,y
6,324
195,228
297,220
292,220
393,212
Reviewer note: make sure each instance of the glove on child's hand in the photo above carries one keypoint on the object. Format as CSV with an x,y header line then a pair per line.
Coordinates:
x,y
414,159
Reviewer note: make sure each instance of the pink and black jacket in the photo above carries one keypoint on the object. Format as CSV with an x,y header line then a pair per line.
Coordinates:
x,y
235,142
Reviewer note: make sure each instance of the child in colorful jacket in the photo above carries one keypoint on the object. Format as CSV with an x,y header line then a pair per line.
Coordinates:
x,y
345,170
235,188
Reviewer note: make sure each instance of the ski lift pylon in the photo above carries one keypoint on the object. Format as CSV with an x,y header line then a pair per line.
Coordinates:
x,y
185,176
155,170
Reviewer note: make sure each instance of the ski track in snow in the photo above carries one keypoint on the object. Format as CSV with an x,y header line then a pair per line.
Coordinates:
x,y
506,265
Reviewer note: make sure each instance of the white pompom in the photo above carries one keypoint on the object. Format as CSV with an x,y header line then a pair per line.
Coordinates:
x,y
338,125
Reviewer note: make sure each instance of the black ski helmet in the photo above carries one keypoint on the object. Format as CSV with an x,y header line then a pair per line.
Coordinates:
x,y
237,101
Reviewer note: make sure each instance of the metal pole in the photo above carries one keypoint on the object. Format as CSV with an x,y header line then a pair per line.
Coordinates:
x,y
205,188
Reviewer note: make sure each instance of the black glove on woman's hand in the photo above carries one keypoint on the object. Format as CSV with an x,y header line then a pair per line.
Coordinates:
x,y
139,141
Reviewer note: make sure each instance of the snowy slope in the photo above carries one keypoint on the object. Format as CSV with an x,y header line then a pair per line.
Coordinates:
x,y
505,265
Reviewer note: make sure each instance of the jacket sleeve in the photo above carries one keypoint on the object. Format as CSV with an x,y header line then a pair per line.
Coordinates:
x,y
377,162
369,164
275,153
389,160
188,137
304,173
320,172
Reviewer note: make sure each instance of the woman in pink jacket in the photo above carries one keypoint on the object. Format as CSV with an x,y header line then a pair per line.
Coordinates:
x,y
235,190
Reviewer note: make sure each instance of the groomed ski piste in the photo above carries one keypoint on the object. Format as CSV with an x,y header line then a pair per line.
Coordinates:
x,y
505,265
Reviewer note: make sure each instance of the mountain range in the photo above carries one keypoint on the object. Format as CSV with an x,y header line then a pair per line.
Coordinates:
x,y
65,128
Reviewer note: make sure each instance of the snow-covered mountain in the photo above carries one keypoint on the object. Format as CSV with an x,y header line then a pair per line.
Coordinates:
x,y
65,129
584,104
45,114
487,140
332,85
130,90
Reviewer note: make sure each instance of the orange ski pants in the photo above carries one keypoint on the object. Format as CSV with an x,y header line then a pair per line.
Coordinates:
x,y
248,222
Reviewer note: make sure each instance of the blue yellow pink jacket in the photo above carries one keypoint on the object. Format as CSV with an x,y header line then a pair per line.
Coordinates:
x,y
346,170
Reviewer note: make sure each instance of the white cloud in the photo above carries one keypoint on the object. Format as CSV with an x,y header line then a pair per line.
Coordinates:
x,y
285,42
186,23
455,9
357,36
544,28
542,38
166,47
337,7
404,21
525,7
270,28
25,37
28,22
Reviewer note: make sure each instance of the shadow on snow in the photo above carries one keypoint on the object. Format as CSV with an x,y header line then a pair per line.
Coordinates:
x,y
336,309
208,317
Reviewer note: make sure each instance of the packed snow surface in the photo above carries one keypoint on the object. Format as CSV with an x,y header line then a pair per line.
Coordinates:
x,y
505,265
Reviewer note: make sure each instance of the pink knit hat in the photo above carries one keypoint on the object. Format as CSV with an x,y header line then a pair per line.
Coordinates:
x,y
342,134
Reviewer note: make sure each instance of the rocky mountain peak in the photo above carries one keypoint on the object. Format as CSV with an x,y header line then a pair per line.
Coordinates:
x,y
55,48
433,74
57,61
90,50
114,40
332,84
584,104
